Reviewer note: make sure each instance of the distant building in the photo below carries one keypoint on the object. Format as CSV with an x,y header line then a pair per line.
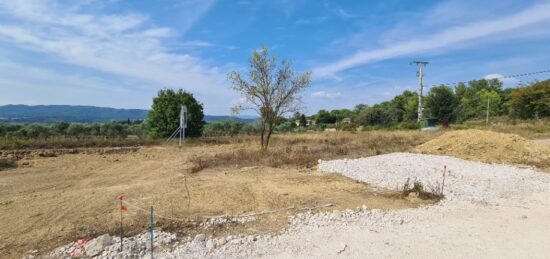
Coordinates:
x,y
346,121
308,123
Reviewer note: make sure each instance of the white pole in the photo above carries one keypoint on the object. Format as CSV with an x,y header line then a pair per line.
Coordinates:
x,y
487,115
181,125
420,112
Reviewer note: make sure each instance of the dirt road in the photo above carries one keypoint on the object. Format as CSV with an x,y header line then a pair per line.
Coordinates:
x,y
473,232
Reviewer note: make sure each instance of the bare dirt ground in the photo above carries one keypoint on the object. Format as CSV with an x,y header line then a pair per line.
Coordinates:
x,y
49,201
544,142
490,147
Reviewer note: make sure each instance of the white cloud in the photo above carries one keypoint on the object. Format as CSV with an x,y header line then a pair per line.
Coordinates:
x,y
446,38
345,14
315,20
197,44
327,95
508,81
123,45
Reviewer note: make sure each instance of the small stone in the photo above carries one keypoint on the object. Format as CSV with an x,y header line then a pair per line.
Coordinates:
x,y
342,248
97,245
251,239
199,238
222,241
524,216
210,244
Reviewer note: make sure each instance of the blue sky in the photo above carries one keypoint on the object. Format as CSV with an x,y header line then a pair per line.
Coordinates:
x,y
120,53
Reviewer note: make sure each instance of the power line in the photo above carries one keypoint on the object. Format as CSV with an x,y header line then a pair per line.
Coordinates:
x,y
500,77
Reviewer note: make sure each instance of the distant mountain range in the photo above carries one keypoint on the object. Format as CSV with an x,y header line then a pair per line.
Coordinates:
x,y
77,113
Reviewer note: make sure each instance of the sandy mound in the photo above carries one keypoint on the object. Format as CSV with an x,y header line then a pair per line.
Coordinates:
x,y
488,146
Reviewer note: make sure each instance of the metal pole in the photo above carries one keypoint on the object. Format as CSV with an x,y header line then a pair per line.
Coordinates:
x,y
152,226
181,125
121,236
487,115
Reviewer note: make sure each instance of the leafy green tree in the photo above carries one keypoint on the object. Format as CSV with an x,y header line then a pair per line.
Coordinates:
x,y
76,130
287,126
164,116
530,102
303,120
325,117
140,130
488,99
473,98
36,131
359,107
372,116
341,114
60,127
442,103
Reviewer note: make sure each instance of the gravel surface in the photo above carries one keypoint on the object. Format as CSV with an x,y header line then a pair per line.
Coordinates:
x,y
489,211
467,180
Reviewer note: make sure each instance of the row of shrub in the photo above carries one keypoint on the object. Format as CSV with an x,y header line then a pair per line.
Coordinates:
x,y
110,130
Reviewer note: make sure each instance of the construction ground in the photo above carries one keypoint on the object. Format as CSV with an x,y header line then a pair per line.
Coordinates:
x,y
51,198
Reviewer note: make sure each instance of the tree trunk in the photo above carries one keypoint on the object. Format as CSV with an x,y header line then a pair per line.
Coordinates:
x,y
270,130
263,142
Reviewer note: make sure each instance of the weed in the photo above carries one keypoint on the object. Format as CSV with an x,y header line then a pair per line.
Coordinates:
x,y
417,189
7,163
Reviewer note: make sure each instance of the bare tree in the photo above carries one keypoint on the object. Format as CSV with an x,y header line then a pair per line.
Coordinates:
x,y
270,90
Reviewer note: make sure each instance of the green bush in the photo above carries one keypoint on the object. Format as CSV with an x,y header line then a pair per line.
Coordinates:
x,y
531,102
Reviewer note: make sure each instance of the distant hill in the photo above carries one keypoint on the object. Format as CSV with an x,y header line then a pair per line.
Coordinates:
x,y
78,113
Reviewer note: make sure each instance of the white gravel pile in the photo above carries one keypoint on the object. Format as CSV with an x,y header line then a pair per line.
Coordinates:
x,y
468,181
106,246
468,184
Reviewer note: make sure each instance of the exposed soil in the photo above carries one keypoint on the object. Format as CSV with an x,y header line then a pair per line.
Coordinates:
x,y
50,201
489,147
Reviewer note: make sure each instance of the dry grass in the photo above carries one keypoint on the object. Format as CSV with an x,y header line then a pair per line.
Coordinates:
x,y
304,150
530,129
49,201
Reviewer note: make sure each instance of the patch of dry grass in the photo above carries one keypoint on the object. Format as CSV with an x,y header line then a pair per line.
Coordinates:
x,y
530,129
304,150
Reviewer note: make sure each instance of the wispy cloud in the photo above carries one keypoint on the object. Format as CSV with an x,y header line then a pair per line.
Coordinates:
x,y
197,44
344,14
449,37
327,95
124,45
315,20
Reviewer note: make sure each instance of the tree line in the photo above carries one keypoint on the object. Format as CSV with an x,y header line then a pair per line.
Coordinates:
x,y
466,101
445,104
109,130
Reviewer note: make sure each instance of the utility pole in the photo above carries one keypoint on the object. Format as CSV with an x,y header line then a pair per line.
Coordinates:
x,y
420,75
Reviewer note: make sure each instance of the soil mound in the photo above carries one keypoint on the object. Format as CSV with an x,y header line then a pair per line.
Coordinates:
x,y
489,147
